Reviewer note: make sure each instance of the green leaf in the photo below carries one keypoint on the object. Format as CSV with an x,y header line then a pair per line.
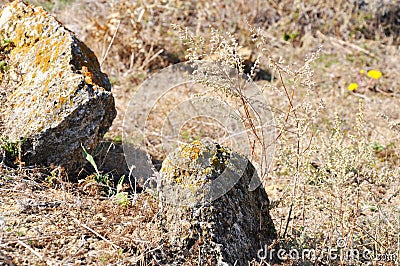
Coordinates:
x,y
120,182
5,42
90,159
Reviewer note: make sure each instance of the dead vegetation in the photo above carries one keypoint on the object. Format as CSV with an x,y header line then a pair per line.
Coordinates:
x,y
335,175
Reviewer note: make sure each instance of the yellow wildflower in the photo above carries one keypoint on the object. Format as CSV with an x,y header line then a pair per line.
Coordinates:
x,y
375,74
352,86
362,71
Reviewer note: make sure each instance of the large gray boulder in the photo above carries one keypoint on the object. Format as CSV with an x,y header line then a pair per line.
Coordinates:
x,y
208,211
54,97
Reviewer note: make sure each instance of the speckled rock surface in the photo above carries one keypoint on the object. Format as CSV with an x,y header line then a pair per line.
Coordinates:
x,y
54,96
225,229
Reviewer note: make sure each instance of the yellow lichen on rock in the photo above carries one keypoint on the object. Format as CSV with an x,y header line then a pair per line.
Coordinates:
x,y
205,187
55,78
37,52
193,166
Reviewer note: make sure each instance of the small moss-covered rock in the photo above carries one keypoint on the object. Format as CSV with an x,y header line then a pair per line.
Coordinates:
x,y
54,94
219,221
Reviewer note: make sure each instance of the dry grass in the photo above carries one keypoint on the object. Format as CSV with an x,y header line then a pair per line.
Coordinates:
x,y
335,173
66,225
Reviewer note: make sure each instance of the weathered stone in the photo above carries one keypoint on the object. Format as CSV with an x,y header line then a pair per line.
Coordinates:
x,y
54,97
219,221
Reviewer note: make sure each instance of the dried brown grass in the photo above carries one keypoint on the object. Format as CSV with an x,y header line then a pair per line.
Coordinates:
x,y
134,39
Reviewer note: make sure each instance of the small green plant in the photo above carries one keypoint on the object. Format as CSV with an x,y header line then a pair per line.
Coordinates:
x,y
11,149
290,36
3,66
102,179
103,259
5,43
121,198
5,46
53,177
118,139
378,147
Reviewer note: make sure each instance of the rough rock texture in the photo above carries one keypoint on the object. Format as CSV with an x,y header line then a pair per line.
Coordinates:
x,y
221,229
54,97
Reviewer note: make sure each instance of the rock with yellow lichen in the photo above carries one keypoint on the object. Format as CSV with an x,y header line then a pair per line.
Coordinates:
x,y
208,211
54,97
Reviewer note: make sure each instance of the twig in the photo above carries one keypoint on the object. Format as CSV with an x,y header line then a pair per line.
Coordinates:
x,y
97,234
109,46
384,92
141,256
367,99
287,221
31,250
290,107
395,194
9,241
343,43
147,61
355,213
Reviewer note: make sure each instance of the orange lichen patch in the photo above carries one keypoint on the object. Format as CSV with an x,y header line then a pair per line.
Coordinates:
x,y
90,66
88,75
191,151
61,100
46,90
19,30
182,167
27,34
49,74
48,50
53,64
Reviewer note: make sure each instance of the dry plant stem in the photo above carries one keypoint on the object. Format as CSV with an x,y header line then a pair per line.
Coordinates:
x,y
343,43
31,249
303,212
111,42
355,214
20,163
148,60
341,211
295,183
142,256
134,189
290,99
8,241
253,128
107,152
97,234
248,121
